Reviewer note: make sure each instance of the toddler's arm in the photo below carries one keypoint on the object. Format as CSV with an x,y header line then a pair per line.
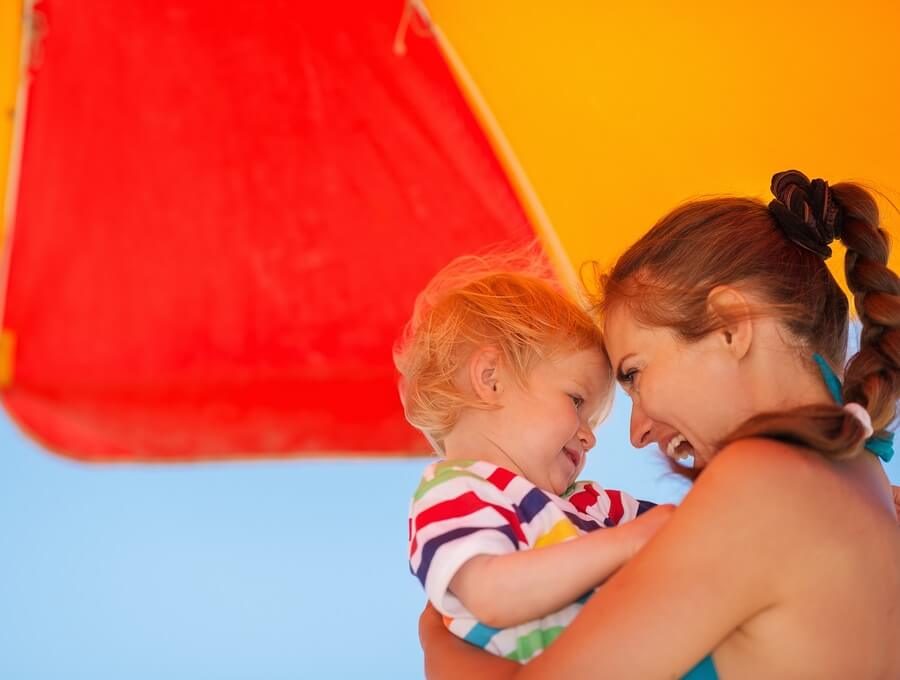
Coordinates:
x,y
506,590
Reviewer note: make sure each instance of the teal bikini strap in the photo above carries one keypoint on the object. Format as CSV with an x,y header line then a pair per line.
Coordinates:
x,y
831,380
705,670
882,446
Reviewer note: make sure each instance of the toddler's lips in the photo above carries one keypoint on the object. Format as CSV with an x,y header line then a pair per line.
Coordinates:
x,y
573,456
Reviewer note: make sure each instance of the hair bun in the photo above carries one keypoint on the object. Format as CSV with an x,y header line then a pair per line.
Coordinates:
x,y
806,211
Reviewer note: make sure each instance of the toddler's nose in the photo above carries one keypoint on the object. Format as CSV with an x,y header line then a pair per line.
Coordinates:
x,y
587,438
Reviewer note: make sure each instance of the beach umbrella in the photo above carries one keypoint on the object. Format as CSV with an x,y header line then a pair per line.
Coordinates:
x,y
218,215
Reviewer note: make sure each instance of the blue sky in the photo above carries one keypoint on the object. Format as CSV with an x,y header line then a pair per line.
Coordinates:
x,y
226,571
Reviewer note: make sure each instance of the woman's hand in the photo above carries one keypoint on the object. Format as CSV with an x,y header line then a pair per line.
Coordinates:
x,y
896,490
430,629
449,658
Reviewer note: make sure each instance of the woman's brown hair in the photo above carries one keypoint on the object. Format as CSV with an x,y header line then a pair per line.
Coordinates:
x,y
778,252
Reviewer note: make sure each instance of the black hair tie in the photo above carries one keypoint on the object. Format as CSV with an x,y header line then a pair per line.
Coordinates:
x,y
806,211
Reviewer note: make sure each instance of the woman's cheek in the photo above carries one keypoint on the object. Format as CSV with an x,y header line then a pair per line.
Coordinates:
x,y
653,399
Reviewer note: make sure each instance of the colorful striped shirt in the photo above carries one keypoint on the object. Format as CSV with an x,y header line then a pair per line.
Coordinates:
x,y
467,508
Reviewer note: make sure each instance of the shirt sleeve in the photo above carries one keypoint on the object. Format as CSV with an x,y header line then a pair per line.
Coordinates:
x,y
460,515
609,507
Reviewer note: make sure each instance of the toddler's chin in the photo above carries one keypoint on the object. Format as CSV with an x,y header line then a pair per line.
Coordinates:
x,y
564,484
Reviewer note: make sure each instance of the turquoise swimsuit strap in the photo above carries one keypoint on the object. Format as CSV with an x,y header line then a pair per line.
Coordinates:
x,y
831,380
705,670
882,446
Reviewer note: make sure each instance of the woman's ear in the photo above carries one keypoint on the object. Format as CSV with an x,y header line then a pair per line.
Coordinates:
x,y
733,311
484,374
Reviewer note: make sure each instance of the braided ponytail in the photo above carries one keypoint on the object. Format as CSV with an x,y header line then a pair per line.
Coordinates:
x,y
872,377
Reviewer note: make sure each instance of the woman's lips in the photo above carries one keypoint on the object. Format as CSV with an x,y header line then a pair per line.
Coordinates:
x,y
678,447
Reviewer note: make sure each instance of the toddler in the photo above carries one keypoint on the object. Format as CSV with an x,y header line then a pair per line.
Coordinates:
x,y
507,378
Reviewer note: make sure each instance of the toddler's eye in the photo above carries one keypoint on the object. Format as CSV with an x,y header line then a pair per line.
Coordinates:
x,y
578,401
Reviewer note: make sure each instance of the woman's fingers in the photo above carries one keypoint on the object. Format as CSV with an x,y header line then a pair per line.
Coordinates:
x,y
428,622
430,629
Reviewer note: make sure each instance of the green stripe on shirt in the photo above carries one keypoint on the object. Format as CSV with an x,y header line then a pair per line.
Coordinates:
x,y
536,641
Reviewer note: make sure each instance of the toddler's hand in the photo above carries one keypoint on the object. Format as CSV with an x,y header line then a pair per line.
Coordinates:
x,y
644,527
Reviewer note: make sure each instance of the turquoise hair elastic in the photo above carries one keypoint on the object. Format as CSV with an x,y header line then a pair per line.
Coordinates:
x,y
882,446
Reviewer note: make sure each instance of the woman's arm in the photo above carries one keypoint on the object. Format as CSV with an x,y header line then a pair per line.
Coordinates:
x,y
449,658
718,563
507,590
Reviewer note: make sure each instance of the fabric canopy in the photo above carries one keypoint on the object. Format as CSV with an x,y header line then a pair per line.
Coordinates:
x,y
223,214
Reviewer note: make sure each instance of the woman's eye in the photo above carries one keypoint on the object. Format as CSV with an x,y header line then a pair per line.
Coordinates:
x,y
627,378
578,401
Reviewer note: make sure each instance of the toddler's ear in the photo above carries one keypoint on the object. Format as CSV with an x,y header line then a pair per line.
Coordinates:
x,y
484,374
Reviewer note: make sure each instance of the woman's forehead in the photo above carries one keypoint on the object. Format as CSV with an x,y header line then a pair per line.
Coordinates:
x,y
620,329
626,335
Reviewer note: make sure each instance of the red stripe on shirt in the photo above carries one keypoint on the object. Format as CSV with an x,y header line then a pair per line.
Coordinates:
x,y
501,478
465,504
615,506
584,498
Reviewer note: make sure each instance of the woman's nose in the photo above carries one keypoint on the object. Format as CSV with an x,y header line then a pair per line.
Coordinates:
x,y
641,426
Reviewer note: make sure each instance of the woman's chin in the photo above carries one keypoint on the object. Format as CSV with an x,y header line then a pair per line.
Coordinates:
x,y
700,459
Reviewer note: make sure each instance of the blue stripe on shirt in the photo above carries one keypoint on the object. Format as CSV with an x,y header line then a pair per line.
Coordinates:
x,y
581,523
481,635
432,546
532,503
644,506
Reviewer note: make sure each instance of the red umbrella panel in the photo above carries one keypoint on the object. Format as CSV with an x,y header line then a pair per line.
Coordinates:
x,y
224,213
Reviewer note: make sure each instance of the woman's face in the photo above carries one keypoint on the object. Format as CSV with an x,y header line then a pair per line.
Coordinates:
x,y
685,397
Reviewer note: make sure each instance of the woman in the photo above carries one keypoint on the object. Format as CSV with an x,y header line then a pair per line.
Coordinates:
x,y
725,328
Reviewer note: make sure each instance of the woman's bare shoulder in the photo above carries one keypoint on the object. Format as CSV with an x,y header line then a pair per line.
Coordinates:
x,y
765,466
723,548
767,488
792,491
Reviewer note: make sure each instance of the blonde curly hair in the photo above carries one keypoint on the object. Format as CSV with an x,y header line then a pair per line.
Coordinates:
x,y
506,300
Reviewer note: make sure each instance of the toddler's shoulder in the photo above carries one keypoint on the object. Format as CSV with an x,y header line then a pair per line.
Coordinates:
x,y
460,479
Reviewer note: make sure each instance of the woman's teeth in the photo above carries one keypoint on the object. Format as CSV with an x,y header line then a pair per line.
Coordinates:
x,y
679,448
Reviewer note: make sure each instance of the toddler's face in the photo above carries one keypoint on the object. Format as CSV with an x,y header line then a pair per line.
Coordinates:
x,y
547,426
